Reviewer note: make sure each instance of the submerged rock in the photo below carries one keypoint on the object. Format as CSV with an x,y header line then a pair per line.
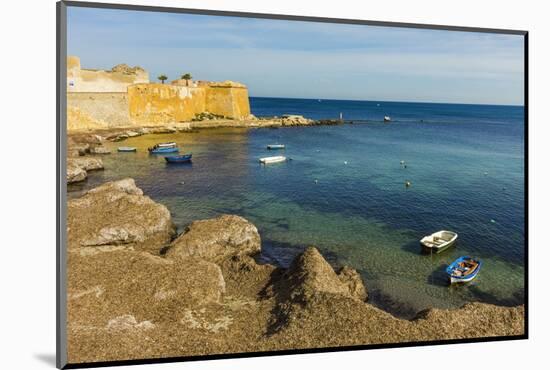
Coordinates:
x,y
216,239
117,213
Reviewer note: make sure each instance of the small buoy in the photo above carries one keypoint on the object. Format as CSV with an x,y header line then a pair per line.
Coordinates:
x,y
407,184
402,162
316,181
485,173
183,182
493,221
345,162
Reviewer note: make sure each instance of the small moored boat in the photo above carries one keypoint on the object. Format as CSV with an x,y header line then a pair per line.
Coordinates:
x,y
162,148
167,145
154,150
276,146
126,149
464,269
275,159
387,119
438,241
185,158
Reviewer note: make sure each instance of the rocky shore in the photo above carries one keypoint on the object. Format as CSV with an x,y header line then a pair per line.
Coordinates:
x,y
137,289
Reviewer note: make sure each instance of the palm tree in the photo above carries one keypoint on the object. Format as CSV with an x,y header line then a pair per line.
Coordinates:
x,y
162,78
186,76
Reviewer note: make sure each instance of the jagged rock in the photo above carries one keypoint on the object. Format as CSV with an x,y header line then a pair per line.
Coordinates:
x,y
310,273
117,213
126,69
75,173
295,120
132,133
216,239
76,149
162,130
352,279
489,320
87,163
99,149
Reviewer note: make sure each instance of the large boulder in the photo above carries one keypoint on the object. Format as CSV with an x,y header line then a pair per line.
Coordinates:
x,y
118,214
310,273
123,288
470,321
99,149
75,173
86,163
217,239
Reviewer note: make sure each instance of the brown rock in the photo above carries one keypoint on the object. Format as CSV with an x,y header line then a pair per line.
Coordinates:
x,y
99,149
86,163
352,279
122,289
216,239
310,273
75,173
117,213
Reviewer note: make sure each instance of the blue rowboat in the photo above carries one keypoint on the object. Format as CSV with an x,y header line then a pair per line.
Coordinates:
x,y
163,150
179,158
126,149
463,270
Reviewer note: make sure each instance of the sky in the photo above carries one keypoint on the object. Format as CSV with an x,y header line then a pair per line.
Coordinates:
x,y
295,59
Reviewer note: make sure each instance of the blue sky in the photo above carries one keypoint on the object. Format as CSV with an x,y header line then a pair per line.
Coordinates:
x,y
305,59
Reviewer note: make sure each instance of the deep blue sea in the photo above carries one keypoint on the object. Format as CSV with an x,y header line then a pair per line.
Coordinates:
x,y
344,191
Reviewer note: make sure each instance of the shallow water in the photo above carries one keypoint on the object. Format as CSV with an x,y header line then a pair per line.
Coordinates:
x,y
344,192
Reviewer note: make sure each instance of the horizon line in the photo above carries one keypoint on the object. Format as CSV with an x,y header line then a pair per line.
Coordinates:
x,y
391,101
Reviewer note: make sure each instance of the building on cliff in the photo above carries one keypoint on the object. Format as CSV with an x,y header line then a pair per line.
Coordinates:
x,y
124,97
92,81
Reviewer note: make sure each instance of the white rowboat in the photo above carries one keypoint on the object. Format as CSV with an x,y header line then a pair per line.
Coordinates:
x,y
275,159
438,241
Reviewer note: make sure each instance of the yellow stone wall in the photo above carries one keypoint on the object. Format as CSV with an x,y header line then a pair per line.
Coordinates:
x,y
162,103
123,97
88,111
159,103
231,102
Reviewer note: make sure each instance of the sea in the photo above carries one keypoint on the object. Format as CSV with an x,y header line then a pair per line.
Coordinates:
x,y
343,191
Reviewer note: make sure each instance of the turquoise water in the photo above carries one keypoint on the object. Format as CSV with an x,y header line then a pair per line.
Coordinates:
x,y
344,192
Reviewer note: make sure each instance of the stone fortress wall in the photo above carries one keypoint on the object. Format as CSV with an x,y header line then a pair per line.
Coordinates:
x,y
124,97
